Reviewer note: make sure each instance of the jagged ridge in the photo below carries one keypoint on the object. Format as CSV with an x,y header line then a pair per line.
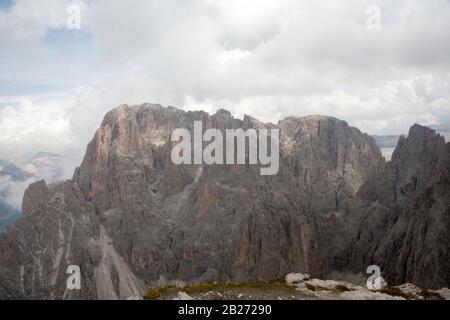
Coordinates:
x,y
130,218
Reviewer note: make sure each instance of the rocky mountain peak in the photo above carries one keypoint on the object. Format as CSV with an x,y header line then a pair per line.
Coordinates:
x,y
223,113
407,225
416,157
35,197
131,218
420,141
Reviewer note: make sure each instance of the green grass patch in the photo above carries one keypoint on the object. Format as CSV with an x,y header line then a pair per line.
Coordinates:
x,y
152,294
155,293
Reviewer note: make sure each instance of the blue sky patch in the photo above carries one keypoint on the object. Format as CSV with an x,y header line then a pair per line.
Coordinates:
x,y
71,42
6,4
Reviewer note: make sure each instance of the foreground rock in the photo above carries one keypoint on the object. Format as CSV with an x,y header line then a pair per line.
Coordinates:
x,y
131,219
295,286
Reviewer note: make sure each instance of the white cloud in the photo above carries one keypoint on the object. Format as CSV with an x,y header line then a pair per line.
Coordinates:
x,y
11,192
29,19
276,58
30,127
269,59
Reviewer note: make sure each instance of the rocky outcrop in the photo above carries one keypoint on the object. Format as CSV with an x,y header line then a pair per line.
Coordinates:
x,y
404,210
130,218
295,286
59,228
329,158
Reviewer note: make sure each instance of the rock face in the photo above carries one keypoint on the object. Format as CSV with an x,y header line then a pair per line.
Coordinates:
x,y
130,218
329,158
405,214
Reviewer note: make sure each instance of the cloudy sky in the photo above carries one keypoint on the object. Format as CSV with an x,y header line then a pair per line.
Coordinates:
x,y
268,59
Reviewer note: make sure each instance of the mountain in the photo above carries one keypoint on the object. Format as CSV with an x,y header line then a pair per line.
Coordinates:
x,y
15,177
130,218
387,143
404,211
15,170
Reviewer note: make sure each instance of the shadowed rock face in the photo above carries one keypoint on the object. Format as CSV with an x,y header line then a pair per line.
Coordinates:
x,y
404,211
130,218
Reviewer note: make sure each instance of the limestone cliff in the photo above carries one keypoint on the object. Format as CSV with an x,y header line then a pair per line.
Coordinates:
x,y
131,218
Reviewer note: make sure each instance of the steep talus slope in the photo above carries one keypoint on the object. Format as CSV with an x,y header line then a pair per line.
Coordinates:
x,y
131,218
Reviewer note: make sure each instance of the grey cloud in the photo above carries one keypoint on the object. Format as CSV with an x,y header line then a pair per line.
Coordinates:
x,y
269,59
